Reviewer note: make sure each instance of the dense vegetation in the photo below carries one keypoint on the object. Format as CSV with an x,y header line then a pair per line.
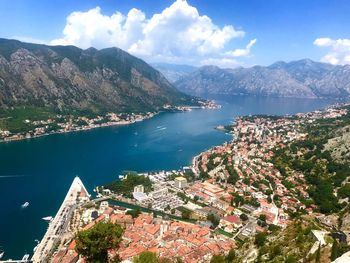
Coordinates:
x,y
322,171
95,242
14,119
126,186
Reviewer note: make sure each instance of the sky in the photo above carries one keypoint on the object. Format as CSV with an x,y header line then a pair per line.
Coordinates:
x,y
226,33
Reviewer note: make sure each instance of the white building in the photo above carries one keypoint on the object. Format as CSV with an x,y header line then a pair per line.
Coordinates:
x,y
180,182
139,189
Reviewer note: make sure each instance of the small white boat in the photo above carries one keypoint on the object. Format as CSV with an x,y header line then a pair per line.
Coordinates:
x,y
2,252
25,205
25,257
47,218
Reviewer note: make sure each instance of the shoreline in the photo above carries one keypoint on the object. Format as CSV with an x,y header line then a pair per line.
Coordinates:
x,y
149,115
104,125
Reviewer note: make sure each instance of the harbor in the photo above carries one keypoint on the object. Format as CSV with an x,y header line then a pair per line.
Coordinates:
x,y
76,195
99,155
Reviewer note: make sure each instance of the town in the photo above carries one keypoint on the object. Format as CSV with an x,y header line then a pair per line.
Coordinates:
x,y
230,194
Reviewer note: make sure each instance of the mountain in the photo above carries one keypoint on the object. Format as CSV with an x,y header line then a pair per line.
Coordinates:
x,y
300,79
174,72
67,78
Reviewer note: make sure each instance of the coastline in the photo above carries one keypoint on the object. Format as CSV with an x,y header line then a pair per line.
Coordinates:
x,y
103,125
196,155
138,118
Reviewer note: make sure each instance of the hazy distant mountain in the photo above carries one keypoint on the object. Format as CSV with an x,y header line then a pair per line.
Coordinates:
x,y
173,72
91,80
300,79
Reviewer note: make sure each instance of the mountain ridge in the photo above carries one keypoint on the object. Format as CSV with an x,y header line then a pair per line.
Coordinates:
x,y
67,78
300,79
174,72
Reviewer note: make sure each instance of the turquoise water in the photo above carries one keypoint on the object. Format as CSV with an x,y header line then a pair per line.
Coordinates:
x,y
41,170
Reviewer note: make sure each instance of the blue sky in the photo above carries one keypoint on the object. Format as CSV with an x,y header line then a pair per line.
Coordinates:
x,y
226,33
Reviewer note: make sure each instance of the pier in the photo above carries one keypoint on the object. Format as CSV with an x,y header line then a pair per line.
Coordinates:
x,y
60,223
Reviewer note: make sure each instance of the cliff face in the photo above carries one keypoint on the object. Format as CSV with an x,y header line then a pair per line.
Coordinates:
x,y
300,79
67,78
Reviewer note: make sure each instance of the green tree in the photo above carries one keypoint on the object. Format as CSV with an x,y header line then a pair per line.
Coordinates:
x,y
290,259
134,212
344,192
146,257
218,259
95,242
243,217
238,200
231,255
214,219
335,250
185,214
262,217
260,239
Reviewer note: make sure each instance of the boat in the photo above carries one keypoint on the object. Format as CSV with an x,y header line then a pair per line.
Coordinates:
x,y
47,218
25,257
2,252
37,244
25,205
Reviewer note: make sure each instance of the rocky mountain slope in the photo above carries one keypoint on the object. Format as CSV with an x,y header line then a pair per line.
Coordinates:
x,y
174,72
66,78
299,79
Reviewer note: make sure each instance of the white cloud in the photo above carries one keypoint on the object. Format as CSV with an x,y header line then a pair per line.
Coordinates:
x,y
221,62
177,34
30,39
242,52
339,52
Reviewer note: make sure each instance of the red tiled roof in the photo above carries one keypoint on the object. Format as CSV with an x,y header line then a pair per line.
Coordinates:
x,y
232,219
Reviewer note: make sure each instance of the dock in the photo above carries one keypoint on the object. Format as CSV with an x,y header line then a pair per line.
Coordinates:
x,y
59,225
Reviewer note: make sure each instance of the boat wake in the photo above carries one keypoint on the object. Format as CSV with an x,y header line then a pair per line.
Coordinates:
x,y
13,175
161,128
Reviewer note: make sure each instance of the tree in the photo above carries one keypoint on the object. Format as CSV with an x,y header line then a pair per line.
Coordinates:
x,y
262,217
214,219
134,213
185,214
291,259
231,255
95,242
238,200
335,250
344,192
243,217
260,239
146,257
218,259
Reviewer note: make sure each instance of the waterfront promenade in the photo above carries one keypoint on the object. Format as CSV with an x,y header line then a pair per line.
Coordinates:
x,y
60,222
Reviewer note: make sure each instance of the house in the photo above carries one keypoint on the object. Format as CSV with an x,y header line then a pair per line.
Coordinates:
x,y
230,222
